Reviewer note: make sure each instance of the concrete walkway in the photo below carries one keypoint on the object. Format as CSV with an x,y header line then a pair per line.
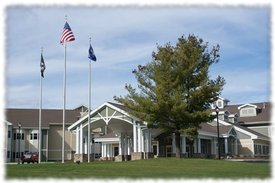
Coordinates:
x,y
250,160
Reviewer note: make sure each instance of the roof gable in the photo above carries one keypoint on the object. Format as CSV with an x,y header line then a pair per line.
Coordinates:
x,y
247,105
100,112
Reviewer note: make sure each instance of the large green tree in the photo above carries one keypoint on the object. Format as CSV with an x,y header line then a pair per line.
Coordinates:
x,y
174,89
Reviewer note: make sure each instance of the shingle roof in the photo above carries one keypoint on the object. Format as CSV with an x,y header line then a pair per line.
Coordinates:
x,y
264,113
30,117
213,129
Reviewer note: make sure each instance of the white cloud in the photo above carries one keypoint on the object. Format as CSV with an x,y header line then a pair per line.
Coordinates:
x,y
124,37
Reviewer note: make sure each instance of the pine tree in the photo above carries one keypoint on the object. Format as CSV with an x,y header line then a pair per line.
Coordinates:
x,y
174,89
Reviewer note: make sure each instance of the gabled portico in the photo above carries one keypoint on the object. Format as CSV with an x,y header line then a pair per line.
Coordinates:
x,y
114,134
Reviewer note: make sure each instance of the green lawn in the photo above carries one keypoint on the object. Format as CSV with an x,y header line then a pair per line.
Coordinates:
x,y
152,168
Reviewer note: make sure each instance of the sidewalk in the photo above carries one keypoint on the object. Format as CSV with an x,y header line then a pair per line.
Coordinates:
x,y
250,160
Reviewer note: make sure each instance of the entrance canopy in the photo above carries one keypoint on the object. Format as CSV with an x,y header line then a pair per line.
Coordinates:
x,y
114,116
116,131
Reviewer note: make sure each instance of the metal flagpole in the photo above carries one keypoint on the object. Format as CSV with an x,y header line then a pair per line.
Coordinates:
x,y
40,114
67,36
64,106
89,109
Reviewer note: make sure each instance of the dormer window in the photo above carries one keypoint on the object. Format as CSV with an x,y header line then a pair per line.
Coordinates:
x,y
248,110
220,103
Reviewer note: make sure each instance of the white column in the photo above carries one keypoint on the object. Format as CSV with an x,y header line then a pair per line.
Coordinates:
x,y
199,145
105,150
142,140
77,141
81,139
129,148
108,150
120,146
139,138
86,144
134,136
225,145
102,150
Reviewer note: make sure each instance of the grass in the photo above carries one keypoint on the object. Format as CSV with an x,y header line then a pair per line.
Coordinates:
x,y
152,168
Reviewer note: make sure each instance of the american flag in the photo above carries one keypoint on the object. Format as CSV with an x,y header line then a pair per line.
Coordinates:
x,y
67,34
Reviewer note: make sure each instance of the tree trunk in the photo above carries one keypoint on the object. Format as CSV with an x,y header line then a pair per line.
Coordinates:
x,y
191,148
178,146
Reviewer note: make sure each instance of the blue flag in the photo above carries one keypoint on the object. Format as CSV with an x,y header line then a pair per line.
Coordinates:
x,y
91,53
42,66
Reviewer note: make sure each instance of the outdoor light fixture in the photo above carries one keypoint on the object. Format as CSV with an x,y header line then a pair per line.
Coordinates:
x,y
218,130
19,137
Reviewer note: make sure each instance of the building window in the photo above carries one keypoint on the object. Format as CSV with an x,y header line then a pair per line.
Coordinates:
x,y
260,149
267,150
33,136
19,136
116,151
8,154
248,112
155,149
219,104
9,134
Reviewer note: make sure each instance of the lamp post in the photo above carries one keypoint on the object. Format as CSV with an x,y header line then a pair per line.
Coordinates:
x,y
19,138
218,130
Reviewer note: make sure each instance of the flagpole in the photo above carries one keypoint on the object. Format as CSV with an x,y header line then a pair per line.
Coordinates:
x,y
40,118
89,109
64,104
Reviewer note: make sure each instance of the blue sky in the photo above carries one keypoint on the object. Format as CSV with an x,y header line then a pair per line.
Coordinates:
x,y
122,38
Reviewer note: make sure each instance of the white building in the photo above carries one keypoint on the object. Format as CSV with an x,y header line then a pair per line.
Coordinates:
x,y
116,135
121,136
